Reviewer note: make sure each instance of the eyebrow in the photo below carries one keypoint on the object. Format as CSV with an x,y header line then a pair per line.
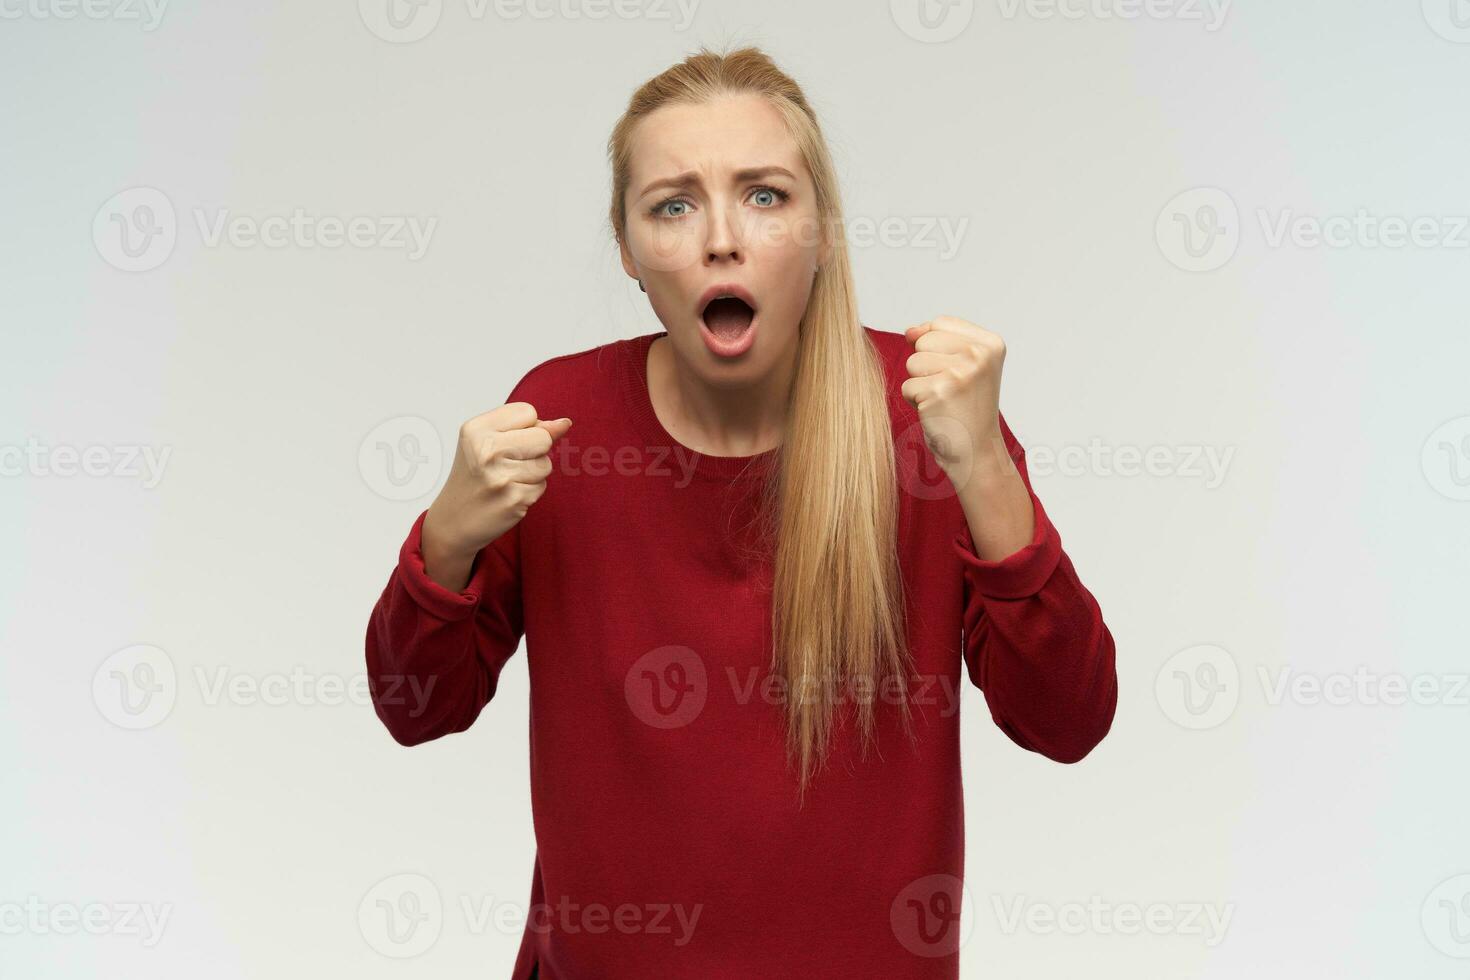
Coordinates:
x,y
690,177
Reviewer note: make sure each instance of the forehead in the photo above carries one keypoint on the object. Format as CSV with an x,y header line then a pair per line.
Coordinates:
x,y
730,133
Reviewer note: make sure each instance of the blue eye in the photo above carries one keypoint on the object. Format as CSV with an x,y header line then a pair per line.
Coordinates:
x,y
779,194
659,209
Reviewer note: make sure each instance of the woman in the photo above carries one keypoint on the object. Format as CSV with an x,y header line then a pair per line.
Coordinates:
x,y
746,581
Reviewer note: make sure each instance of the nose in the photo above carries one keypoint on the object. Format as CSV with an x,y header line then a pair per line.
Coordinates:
x,y
723,241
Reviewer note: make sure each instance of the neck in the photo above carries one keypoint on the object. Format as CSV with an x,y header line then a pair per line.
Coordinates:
x,y
720,421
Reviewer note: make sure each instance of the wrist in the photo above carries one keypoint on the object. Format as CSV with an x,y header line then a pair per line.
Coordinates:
x,y
992,455
989,464
438,544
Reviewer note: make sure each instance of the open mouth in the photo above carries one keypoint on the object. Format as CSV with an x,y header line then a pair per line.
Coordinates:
x,y
728,317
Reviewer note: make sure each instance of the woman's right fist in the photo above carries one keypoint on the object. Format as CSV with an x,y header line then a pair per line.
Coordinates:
x,y
500,468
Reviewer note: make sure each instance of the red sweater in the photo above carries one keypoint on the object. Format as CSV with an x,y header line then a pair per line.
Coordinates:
x,y
669,841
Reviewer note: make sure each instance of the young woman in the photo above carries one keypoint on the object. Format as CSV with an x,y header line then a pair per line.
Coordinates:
x,y
747,580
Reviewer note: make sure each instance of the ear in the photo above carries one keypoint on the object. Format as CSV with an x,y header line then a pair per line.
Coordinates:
x,y
627,258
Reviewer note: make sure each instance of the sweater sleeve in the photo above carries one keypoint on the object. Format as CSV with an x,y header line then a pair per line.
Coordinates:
x,y
434,656
1035,642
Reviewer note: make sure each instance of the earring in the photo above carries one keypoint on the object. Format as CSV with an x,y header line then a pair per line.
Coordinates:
x,y
641,286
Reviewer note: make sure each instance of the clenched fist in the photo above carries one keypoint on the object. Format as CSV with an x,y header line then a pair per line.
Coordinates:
x,y
954,382
500,468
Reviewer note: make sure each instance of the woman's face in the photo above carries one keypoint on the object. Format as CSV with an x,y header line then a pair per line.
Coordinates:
x,y
719,196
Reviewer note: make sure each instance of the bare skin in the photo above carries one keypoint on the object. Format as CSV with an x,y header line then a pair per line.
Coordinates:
x,y
719,194
501,462
721,225
954,383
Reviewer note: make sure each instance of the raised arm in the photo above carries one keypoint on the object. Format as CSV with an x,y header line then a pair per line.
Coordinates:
x,y
450,616
434,656
1034,640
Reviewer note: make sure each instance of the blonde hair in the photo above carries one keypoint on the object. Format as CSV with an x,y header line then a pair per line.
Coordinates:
x,y
829,506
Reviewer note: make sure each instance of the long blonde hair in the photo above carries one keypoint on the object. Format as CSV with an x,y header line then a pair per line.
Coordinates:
x,y
830,503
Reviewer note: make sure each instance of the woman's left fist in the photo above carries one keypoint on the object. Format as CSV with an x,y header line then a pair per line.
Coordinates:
x,y
954,382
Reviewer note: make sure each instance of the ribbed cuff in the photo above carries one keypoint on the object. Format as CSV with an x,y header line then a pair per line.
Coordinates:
x,y
430,595
1018,575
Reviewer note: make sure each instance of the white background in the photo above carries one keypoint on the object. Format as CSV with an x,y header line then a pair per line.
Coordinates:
x,y
1331,378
